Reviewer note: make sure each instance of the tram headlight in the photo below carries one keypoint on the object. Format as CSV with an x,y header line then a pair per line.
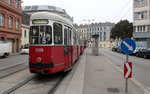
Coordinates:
x,y
39,59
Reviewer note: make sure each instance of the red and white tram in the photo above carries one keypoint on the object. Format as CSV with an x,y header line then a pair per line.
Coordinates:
x,y
54,44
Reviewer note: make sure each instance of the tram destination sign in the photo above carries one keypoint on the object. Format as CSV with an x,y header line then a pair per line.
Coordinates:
x,y
40,21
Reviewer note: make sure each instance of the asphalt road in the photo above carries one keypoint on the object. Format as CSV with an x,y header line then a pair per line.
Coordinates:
x,y
13,60
141,66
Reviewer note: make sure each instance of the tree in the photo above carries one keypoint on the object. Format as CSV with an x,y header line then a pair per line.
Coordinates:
x,y
122,29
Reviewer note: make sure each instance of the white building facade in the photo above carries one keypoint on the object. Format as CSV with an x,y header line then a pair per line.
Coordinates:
x,y
141,23
25,35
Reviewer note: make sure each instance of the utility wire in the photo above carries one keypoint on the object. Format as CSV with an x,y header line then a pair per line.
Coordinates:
x,y
126,13
122,9
113,11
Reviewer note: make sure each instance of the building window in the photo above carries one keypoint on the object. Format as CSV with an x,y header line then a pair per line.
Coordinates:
x,y
100,28
144,28
141,3
17,4
141,15
9,2
138,28
10,22
1,19
17,24
104,38
104,28
25,33
104,33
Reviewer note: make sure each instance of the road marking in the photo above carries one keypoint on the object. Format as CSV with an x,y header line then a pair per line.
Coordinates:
x,y
145,90
129,47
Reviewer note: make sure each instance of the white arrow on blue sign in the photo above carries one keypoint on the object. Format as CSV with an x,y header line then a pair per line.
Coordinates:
x,y
128,46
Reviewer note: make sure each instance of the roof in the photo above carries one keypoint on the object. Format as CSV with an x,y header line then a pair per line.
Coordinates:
x,y
50,16
43,7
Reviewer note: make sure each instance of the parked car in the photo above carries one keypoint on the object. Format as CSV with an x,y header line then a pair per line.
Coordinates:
x,y
136,50
145,53
114,48
5,48
25,50
119,49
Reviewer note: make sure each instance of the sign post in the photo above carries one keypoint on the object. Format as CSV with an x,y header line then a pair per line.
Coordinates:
x,y
127,47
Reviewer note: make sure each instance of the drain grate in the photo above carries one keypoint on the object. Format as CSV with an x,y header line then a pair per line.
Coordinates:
x,y
99,70
113,90
118,65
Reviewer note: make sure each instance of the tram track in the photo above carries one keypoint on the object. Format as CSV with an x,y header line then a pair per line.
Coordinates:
x,y
5,72
33,84
19,85
11,66
54,88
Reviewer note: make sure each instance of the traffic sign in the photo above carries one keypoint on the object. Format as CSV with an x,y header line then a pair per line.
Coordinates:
x,y
128,46
128,70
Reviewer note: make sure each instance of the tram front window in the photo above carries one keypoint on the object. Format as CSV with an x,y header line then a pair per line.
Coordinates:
x,y
40,35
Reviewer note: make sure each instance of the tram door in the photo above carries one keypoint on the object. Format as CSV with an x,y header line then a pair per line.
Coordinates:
x,y
67,45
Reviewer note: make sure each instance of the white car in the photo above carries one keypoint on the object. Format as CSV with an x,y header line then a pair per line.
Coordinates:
x,y
25,50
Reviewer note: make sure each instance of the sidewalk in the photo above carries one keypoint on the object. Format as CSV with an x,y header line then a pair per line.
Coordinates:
x,y
12,54
101,77
98,75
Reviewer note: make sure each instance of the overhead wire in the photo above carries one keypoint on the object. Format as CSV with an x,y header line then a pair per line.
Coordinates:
x,y
126,13
118,14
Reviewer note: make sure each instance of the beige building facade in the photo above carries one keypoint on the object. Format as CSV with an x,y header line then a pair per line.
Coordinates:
x,y
103,30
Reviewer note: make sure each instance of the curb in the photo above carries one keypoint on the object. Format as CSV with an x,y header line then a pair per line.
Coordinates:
x,y
77,83
145,90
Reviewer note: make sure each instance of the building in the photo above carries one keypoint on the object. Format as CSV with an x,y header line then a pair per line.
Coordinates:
x,y
82,31
53,9
10,24
25,29
141,23
101,29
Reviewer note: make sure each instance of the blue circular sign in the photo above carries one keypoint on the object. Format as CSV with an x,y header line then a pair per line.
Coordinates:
x,y
128,46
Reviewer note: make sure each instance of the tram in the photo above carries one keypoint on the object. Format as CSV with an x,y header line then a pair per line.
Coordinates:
x,y
54,43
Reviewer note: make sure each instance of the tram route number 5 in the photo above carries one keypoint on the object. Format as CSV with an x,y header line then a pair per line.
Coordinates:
x,y
44,40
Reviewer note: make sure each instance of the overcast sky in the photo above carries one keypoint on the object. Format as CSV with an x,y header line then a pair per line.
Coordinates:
x,y
100,10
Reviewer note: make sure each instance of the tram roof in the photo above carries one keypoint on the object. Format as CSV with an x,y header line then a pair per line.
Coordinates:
x,y
50,16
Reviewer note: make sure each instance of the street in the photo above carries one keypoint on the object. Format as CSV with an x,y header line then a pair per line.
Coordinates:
x,y
141,66
13,60
140,72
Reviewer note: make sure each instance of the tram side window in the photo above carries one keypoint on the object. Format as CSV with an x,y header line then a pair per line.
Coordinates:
x,y
74,38
57,33
65,37
70,35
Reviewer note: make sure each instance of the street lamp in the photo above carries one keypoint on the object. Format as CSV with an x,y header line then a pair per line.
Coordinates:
x,y
88,35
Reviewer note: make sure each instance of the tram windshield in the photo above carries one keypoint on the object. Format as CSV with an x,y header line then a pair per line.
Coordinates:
x,y
40,35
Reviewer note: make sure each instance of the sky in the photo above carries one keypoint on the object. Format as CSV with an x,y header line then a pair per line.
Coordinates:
x,y
99,10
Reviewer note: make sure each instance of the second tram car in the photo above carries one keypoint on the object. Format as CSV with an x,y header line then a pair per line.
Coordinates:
x,y
54,43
